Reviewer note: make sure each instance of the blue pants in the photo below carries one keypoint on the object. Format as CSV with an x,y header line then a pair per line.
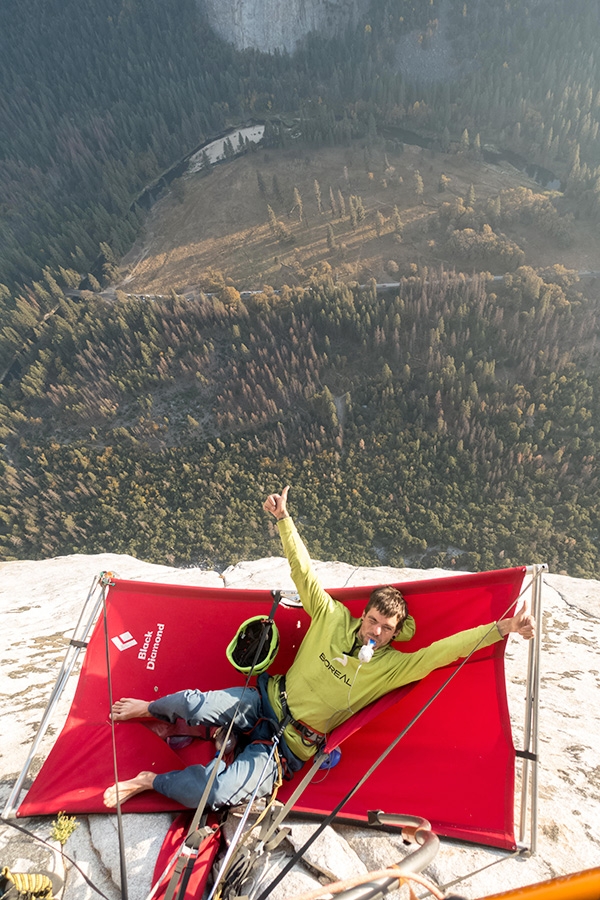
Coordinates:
x,y
233,784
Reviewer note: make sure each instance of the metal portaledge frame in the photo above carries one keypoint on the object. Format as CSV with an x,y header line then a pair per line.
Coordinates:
x,y
529,774
288,598
414,829
77,643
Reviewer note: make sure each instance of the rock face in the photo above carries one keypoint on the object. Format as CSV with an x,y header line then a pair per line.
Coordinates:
x,y
271,25
40,604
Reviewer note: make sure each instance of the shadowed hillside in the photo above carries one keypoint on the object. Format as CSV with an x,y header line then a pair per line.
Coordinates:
x,y
447,422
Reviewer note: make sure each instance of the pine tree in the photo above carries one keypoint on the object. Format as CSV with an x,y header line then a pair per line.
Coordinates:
x,y
70,277
353,212
205,163
53,287
298,203
330,238
418,182
272,219
318,195
398,223
360,210
107,252
332,201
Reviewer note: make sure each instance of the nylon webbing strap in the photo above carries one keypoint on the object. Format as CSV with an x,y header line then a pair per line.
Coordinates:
x,y
292,799
526,754
276,600
238,836
308,735
185,862
176,875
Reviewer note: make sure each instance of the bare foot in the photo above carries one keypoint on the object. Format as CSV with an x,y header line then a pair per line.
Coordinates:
x,y
130,708
128,789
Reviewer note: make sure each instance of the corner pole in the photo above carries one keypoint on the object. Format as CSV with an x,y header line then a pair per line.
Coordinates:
x,y
529,782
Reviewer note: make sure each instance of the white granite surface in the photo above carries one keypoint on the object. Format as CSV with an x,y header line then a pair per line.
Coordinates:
x,y
40,604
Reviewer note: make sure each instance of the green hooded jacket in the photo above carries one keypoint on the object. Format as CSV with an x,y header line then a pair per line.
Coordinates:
x,y
327,683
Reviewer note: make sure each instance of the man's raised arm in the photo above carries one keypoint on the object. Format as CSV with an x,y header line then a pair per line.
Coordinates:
x,y
314,599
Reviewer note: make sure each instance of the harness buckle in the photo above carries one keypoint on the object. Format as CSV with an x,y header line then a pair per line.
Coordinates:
x,y
307,734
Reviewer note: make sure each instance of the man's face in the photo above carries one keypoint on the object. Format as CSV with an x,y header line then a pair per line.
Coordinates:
x,y
377,627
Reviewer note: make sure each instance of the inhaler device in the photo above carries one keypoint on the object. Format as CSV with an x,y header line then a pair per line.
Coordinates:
x,y
365,654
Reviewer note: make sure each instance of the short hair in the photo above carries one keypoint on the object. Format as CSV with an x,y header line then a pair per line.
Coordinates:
x,y
388,601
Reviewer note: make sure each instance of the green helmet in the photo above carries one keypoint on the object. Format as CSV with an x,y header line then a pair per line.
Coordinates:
x,y
242,650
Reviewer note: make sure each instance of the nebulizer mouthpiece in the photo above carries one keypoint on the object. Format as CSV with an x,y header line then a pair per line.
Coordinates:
x,y
365,654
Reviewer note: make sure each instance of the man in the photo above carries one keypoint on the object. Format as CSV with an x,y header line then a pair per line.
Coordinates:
x,y
327,682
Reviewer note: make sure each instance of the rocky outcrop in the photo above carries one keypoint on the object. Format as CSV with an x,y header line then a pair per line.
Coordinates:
x,y
271,25
41,601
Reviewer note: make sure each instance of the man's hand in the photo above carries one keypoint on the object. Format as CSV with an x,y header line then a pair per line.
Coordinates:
x,y
276,504
522,623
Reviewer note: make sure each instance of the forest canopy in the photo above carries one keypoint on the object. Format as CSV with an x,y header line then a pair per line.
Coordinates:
x,y
450,421
101,99
447,423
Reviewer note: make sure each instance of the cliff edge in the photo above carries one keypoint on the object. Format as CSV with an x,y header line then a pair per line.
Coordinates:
x,y
271,25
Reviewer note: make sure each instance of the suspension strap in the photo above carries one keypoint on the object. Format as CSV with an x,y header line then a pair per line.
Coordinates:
x,y
185,862
527,754
272,826
449,884
238,834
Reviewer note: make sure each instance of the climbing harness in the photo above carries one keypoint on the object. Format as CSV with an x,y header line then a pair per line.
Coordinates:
x,y
309,736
